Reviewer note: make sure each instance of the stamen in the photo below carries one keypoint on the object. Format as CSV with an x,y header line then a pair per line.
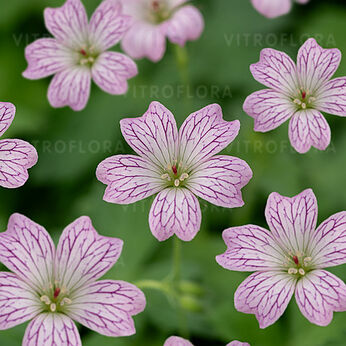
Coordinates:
x,y
45,300
183,176
56,292
298,102
303,95
312,99
165,176
176,182
307,260
295,260
52,307
292,271
174,169
301,271
303,105
66,301
83,52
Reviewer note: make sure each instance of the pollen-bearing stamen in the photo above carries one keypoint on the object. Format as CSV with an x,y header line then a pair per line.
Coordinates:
x,y
55,297
297,263
175,174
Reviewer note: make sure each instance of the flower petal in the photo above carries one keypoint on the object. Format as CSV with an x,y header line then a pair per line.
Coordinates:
x,y
175,211
250,248
276,70
51,329
107,25
177,341
144,40
68,23
328,245
238,343
83,255
45,57
292,220
204,134
265,294
272,9
27,249
319,294
153,135
269,108
7,113
187,24
18,303
107,306
71,88
16,157
111,72
316,65
309,128
129,178
220,180
331,97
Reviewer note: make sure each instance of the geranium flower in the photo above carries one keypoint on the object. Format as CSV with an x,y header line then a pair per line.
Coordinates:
x,y
78,53
289,259
53,287
16,156
177,166
298,92
274,8
154,20
177,341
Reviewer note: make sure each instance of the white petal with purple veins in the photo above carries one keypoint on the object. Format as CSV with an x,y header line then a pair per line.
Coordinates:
x,y
272,8
276,70
265,294
175,211
111,71
292,220
328,245
316,65
129,178
220,179
68,23
45,57
7,113
319,294
238,343
70,87
269,108
27,249
83,255
49,329
16,157
250,248
186,25
331,98
308,128
154,135
204,134
18,301
107,25
107,306
177,341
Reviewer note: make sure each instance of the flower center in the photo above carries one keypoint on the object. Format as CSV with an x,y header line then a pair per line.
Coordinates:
x,y
87,56
298,264
175,174
304,99
158,11
55,298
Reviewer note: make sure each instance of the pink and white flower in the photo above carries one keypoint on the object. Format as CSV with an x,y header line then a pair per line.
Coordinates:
x,y
177,166
289,259
298,92
177,341
79,52
154,20
16,156
53,287
274,8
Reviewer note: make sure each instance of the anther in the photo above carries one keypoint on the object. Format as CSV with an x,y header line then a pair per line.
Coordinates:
x,y
65,301
52,307
312,99
165,176
303,95
174,169
301,271
56,292
298,102
295,260
307,260
176,182
303,105
292,271
183,176
45,300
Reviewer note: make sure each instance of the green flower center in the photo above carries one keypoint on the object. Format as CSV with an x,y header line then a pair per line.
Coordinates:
x,y
304,99
298,264
87,55
55,299
175,175
158,11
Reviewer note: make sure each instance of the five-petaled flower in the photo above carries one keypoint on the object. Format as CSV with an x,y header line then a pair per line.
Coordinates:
x,y
178,341
274,8
177,166
53,287
298,92
154,20
16,156
78,53
288,260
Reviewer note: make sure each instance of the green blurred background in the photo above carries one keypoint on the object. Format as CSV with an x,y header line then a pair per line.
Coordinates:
x,y
63,186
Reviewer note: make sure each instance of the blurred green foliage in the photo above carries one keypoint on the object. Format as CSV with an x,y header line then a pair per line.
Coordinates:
x,y
63,186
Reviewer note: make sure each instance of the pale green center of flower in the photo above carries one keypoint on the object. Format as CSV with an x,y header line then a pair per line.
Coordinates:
x,y
304,99
158,11
298,264
87,55
175,174
55,298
